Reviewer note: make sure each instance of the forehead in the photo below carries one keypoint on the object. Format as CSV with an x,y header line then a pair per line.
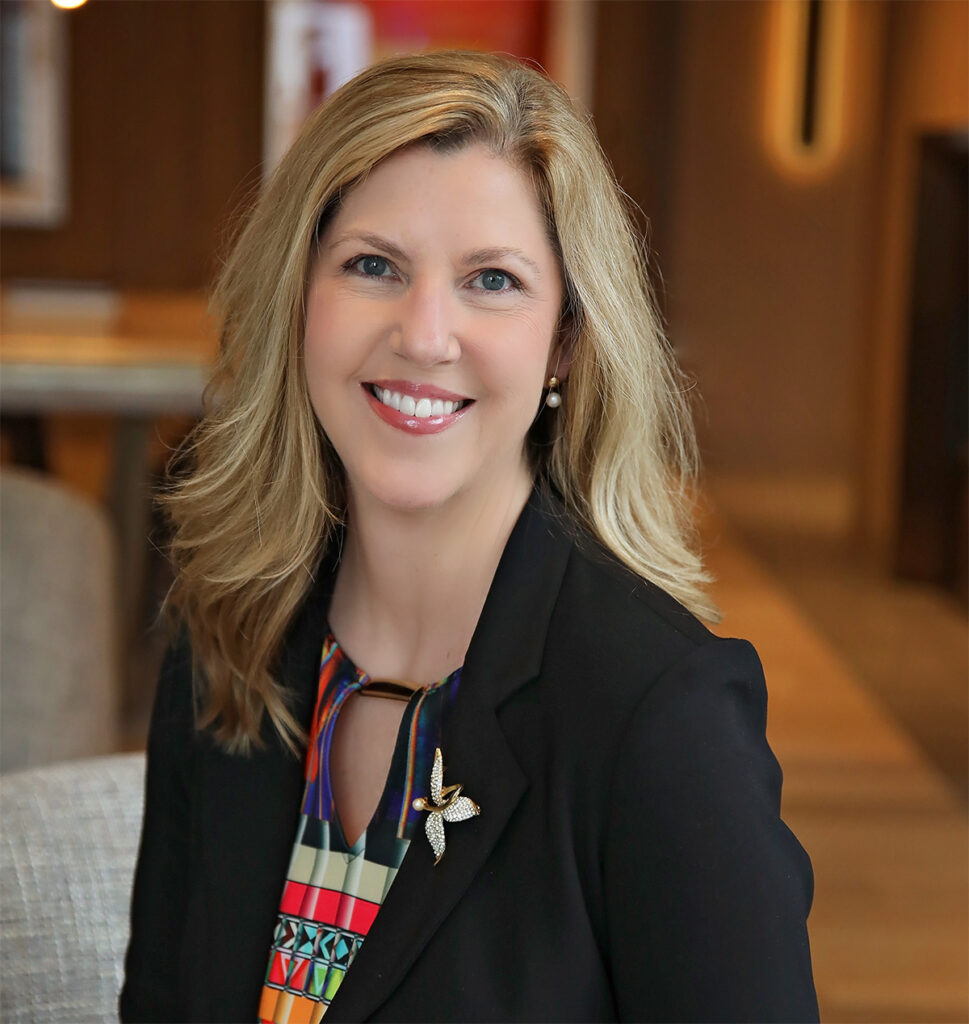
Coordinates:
x,y
469,197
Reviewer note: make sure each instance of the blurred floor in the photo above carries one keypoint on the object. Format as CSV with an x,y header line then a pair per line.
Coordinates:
x,y
907,643
886,829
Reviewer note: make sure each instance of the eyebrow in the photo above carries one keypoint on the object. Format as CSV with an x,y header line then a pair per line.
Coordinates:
x,y
499,254
496,254
374,240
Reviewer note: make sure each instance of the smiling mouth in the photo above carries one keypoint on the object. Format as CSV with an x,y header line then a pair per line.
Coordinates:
x,y
419,408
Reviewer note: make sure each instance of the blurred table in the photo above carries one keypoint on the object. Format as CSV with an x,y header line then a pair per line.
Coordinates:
x,y
139,355
134,355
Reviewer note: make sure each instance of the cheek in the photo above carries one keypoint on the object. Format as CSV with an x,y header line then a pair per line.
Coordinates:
x,y
325,344
321,368
313,363
525,348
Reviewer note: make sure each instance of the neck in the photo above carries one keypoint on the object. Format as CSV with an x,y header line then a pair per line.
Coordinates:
x,y
411,584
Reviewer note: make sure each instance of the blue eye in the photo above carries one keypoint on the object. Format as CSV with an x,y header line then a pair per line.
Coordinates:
x,y
497,281
372,266
493,280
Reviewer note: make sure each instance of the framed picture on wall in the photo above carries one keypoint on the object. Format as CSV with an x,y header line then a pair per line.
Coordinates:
x,y
314,47
33,112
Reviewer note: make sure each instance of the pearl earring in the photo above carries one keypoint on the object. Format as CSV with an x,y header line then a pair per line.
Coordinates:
x,y
553,399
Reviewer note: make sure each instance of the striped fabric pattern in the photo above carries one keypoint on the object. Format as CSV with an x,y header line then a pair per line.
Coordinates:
x,y
333,891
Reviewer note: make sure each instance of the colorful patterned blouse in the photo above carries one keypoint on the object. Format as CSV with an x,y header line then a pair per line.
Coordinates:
x,y
333,891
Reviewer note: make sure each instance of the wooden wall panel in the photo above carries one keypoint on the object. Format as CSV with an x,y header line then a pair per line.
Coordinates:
x,y
634,105
925,91
770,270
165,140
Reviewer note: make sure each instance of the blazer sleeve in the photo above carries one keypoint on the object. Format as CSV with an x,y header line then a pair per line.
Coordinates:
x,y
707,891
161,885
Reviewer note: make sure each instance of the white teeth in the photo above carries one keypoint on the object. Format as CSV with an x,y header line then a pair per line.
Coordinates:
x,y
421,408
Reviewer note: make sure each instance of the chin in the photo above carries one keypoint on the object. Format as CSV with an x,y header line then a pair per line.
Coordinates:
x,y
407,495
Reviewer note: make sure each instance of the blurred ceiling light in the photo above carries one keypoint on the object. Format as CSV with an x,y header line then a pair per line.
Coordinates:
x,y
68,5
805,88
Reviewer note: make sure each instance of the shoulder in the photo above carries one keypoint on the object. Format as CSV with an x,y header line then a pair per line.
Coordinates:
x,y
635,632
635,680
625,598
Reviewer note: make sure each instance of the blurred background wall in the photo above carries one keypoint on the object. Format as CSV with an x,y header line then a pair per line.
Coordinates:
x,y
788,292
164,104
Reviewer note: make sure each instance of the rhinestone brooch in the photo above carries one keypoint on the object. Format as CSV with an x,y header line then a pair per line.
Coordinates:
x,y
446,804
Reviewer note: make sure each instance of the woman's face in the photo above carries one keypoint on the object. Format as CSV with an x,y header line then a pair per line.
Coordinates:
x,y
430,328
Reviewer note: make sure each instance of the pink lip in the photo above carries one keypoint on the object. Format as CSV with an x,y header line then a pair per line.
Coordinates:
x,y
406,387
415,424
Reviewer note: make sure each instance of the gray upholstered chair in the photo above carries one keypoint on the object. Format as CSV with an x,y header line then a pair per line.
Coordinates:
x,y
59,654
68,844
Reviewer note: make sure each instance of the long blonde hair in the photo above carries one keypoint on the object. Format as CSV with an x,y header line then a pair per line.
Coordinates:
x,y
265,490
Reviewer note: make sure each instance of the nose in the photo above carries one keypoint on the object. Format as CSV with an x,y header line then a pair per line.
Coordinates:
x,y
425,332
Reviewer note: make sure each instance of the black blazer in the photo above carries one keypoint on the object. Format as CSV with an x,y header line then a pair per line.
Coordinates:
x,y
629,862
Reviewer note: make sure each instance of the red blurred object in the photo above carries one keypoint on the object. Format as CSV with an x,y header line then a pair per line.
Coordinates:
x,y
518,27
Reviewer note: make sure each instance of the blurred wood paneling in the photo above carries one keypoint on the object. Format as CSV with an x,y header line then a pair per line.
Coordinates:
x,y
165,130
925,91
931,542
634,106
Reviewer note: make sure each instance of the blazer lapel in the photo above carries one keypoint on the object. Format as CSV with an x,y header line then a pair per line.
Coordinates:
x,y
505,653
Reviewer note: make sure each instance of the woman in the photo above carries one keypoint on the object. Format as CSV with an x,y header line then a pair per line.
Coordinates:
x,y
454,721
